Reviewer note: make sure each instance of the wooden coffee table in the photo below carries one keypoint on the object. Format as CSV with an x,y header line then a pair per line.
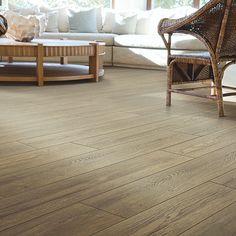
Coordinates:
x,y
43,48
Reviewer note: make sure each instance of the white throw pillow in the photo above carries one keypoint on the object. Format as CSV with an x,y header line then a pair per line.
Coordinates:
x,y
45,8
159,13
63,20
182,11
63,16
83,21
109,20
99,15
33,10
52,21
99,18
125,25
144,22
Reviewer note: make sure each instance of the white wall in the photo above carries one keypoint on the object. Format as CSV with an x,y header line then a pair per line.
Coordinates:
x,y
130,4
230,80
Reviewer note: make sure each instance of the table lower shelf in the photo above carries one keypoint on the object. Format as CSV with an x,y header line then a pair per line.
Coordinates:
x,y
26,72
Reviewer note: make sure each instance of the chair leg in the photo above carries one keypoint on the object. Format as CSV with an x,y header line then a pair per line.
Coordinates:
x,y
169,85
213,90
219,93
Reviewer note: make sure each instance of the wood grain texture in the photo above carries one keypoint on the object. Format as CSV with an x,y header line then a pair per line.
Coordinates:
x,y
222,223
134,135
21,162
66,129
76,218
143,194
66,168
98,126
228,179
80,187
177,214
39,65
109,158
206,144
12,148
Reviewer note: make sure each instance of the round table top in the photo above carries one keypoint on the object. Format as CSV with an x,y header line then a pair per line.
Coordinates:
x,y
47,42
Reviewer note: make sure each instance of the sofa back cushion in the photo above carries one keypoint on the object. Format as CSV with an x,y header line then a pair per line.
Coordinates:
x,y
33,10
52,22
63,20
148,20
123,22
83,21
109,18
144,22
99,12
126,25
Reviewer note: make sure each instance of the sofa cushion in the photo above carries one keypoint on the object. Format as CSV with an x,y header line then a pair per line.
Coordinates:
x,y
25,11
126,25
179,41
83,21
109,19
146,58
99,18
63,20
107,38
52,21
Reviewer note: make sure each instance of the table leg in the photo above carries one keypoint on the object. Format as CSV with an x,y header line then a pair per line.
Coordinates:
x,y
10,59
39,60
63,60
94,62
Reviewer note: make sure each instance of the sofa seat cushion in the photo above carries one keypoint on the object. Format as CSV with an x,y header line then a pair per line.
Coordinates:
x,y
179,41
107,38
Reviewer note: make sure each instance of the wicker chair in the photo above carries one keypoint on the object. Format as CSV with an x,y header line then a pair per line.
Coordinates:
x,y
214,25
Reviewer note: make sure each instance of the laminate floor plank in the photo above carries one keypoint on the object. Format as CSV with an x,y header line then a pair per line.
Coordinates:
x,y
93,183
228,179
66,221
208,127
111,139
109,158
220,224
143,194
35,177
75,115
205,144
13,148
80,187
90,130
21,162
176,215
124,136
57,126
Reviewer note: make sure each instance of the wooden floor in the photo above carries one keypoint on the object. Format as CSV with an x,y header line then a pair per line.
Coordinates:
x,y
109,159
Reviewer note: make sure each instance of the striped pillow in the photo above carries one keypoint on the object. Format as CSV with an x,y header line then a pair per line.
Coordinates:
x,y
3,25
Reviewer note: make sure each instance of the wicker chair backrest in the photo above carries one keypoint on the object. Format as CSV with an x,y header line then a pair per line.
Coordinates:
x,y
217,26
228,48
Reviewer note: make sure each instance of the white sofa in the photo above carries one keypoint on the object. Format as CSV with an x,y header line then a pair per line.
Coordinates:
x,y
141,51
143,48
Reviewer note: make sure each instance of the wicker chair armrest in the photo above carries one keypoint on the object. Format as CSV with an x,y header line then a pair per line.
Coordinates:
x,y
171,26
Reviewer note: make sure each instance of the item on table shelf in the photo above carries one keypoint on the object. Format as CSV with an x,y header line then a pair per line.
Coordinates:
x,y
3,25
